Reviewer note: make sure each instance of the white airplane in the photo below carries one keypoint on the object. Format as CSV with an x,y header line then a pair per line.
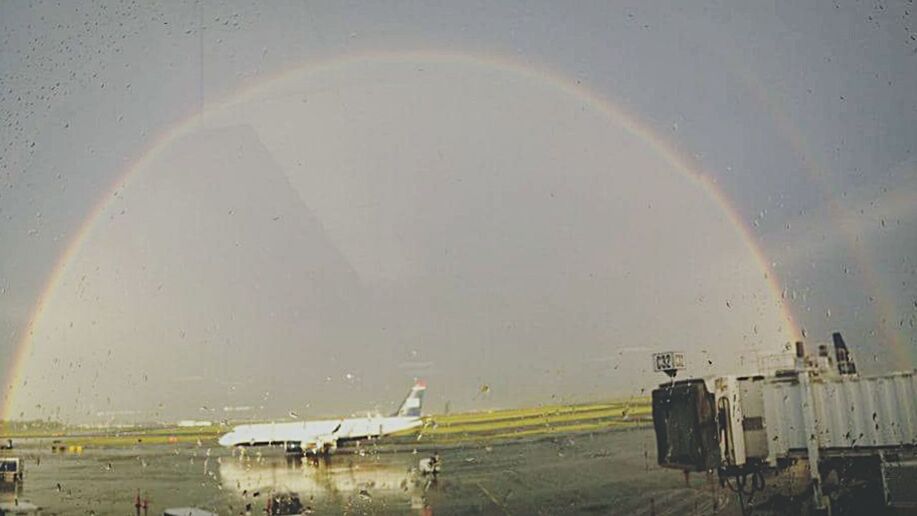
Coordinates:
x,y
322,437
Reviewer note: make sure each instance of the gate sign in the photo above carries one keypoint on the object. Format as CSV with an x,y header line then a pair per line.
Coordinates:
x,y
670,361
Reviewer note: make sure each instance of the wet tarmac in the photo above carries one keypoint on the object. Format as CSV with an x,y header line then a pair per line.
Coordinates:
x,y
601,473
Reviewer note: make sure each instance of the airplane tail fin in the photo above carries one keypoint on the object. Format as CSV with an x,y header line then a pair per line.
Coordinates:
x,y
413,403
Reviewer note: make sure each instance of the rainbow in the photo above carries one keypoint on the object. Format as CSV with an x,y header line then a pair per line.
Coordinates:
x,y
679,160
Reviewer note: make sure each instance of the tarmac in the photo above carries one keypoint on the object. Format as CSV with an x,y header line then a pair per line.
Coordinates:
x,y
610,472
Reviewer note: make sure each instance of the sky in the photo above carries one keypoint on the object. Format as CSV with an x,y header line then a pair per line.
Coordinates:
x,y
214,205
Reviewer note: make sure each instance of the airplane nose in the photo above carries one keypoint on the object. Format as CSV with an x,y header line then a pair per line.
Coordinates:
x,y
226,439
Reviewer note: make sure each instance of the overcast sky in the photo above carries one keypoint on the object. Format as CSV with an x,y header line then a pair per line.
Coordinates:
x,y
326,201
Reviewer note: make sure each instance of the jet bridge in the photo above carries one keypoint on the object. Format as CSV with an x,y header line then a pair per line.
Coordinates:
x,y
821,411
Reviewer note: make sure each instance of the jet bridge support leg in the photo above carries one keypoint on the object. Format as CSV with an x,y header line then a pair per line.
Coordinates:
x,y
812,443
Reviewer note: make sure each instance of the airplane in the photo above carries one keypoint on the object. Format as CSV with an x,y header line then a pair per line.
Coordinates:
x,y
322,437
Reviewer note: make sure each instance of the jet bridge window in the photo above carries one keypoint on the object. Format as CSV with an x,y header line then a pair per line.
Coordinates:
x,y
723,429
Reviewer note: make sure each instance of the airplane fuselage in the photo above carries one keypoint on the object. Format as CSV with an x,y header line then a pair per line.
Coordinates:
x,y
309,434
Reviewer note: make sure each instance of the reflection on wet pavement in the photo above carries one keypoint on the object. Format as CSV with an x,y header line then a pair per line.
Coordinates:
x,y
387,481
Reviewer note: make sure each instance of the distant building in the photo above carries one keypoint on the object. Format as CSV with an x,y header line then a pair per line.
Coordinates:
x,y
187,423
